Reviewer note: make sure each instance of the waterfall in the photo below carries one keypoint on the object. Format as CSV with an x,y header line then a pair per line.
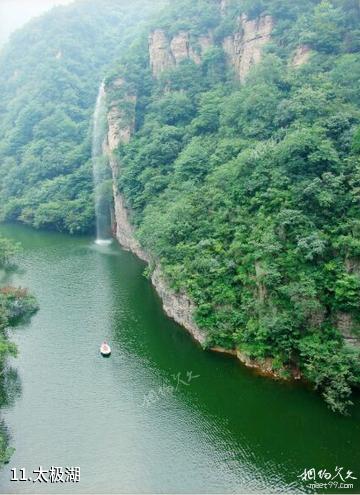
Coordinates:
x,y
101,170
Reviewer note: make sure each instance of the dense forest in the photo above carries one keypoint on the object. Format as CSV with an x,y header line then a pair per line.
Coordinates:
x,y
246,193
50,72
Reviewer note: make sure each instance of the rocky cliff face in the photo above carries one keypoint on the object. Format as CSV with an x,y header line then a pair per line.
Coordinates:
x,y
160,57
346,325
177,306
244,48
120,128
166,53
121,115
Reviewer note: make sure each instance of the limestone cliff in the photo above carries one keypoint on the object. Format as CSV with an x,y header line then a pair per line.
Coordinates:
x,y
121,114
160,57
347,327
244,48
165,52
178,306
120,128
121,125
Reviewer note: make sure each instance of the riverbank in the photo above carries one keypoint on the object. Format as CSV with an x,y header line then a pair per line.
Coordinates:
x,y
16,304
179,306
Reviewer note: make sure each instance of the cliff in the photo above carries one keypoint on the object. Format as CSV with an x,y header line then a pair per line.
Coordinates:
x,y
121,125
345,322
165,52
120,128
244,48
158,153
177,306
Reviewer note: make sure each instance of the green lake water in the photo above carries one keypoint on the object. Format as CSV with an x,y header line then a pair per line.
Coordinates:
x,y
160,415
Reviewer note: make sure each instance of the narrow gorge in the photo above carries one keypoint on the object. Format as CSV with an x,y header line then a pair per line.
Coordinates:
x,y
227,159
180,196
243,50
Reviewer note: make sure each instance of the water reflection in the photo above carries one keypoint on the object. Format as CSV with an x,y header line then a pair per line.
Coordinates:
x,y
10,390
226,431
10,386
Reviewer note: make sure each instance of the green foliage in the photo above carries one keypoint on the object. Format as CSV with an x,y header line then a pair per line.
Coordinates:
x,y
347,293
5,450
248,196
332,368
326,28
356,141
174,108
196,17
50,72
16,304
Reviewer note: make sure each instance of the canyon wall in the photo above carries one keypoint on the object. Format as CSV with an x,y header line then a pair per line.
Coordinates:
x,y
244,48
177,306
167,52
120,128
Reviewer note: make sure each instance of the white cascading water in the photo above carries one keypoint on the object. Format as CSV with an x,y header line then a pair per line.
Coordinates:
x,y
98,162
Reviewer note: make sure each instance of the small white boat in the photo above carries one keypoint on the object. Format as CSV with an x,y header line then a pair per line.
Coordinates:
x,y
105,349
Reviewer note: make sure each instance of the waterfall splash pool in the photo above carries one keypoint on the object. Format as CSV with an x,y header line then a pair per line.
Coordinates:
x,y
103,242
